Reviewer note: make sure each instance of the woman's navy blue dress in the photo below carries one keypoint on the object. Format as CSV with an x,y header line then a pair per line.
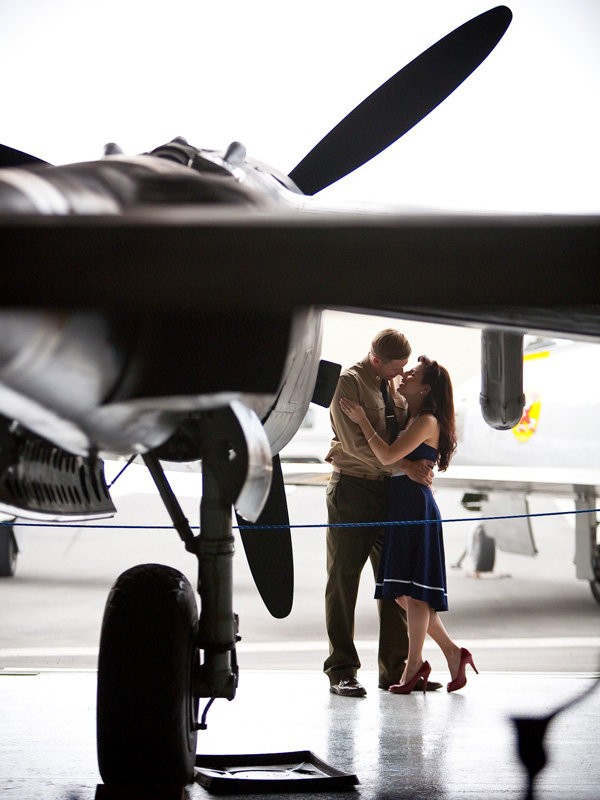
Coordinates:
x,y
412,561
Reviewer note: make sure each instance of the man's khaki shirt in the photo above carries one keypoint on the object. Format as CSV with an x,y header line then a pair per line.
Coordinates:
x,y
349,449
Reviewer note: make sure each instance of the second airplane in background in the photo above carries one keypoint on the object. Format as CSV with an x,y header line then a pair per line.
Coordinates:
x,y
554,450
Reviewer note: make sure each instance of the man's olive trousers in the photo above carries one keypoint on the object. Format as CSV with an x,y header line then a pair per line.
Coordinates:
x,y
352,499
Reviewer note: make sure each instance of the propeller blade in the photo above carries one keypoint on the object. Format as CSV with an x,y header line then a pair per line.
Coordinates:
x,y
9,157
401,102
269,552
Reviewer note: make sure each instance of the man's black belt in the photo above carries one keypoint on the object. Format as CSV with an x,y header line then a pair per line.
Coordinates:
x,y
363,475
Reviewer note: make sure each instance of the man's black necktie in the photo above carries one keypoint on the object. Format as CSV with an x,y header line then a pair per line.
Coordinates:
x,y
391,423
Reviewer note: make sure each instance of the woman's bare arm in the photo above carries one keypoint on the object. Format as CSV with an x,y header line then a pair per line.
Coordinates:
x,y
423,428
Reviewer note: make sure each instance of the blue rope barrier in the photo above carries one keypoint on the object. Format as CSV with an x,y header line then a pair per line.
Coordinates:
x,y
116,478
382,524
389,523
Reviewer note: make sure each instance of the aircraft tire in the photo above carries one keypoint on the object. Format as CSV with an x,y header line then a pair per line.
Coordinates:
x,y
595,584
482,550
8,552
146,712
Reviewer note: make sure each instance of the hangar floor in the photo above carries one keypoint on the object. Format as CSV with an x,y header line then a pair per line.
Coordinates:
x,y
437,746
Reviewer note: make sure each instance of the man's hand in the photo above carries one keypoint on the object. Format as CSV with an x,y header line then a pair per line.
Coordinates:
x,y
419,471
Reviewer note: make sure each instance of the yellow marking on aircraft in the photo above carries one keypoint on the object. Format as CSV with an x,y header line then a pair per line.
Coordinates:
x,y
532,356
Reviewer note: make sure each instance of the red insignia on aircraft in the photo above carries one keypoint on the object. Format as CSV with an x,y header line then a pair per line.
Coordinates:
x,y
525,428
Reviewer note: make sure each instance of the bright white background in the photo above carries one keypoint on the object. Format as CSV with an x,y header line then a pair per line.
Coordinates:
x,y
347,338
521,133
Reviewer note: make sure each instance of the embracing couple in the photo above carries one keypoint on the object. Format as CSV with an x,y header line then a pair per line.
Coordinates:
x,y
390,428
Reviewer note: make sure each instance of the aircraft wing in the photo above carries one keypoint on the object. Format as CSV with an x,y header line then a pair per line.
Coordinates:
x,y
305,474
500,496
535,272
525,480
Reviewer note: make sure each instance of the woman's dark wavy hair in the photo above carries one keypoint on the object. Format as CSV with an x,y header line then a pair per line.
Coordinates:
x,y
440,402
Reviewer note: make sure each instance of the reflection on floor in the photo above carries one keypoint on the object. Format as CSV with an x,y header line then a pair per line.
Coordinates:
x,y
434,746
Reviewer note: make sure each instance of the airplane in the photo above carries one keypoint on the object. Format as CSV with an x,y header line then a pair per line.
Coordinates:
x,y
553,449
168,306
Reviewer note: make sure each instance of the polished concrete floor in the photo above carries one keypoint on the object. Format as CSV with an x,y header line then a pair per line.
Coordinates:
x,y
437,746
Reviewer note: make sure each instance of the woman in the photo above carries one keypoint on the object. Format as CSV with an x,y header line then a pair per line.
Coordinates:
x,y
412,569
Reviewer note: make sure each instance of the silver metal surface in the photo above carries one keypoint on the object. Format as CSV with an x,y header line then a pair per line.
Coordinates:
x,y
298,381
255,490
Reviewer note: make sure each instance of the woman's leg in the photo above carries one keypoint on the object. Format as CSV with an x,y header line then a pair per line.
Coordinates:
x,y
417,615
440,636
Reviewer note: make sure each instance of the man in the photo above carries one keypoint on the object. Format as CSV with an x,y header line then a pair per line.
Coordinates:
x,y
358,492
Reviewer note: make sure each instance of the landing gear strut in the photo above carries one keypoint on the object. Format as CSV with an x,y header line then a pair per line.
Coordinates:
x,y
150,678
595,584
587,549
8,551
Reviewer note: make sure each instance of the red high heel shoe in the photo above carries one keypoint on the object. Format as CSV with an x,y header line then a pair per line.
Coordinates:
x,y
406,688
461,678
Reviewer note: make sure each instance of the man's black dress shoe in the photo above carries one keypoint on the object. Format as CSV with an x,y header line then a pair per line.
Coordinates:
x,y
431,686
348,687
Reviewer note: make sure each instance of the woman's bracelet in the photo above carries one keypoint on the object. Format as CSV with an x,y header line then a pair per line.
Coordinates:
x,y
372,437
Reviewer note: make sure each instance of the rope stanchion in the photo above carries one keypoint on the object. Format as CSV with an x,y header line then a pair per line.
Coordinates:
x,y
383,523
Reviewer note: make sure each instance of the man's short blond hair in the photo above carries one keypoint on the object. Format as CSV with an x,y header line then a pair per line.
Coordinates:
x,y
390,345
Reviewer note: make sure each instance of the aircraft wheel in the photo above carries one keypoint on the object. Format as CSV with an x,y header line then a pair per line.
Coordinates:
x,y
8,551
482,550
595,584
146,712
